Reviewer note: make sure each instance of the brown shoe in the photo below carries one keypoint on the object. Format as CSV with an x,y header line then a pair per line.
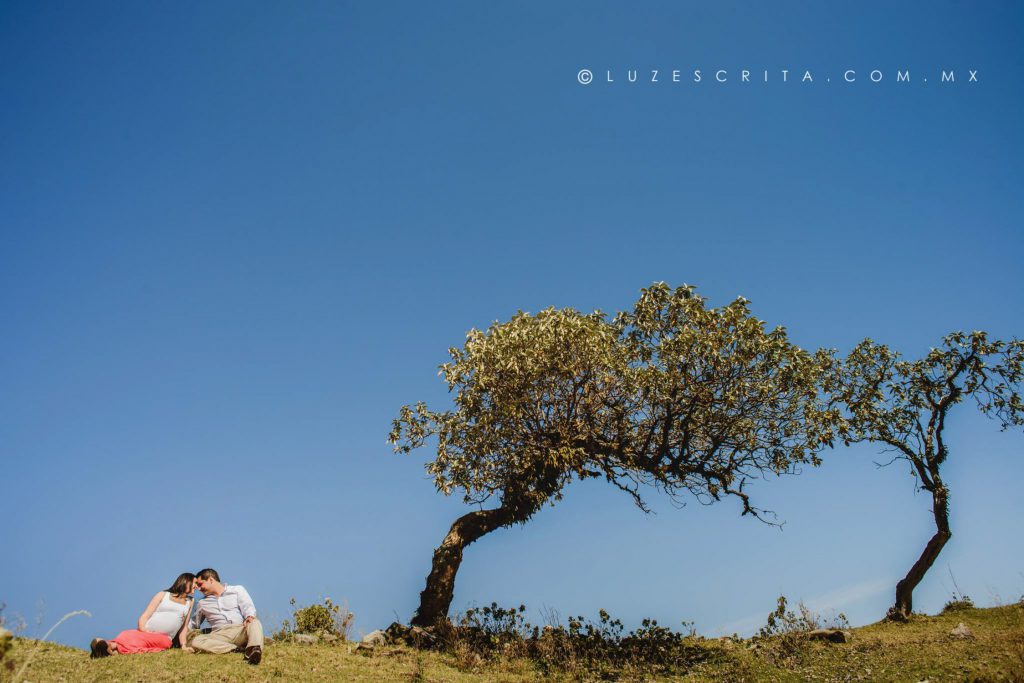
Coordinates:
x,y
254,654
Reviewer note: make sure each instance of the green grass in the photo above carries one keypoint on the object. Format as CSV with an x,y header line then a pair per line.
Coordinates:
x,y
918,650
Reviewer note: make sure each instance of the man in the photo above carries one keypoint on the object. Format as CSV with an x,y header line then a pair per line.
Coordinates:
x,y
232,617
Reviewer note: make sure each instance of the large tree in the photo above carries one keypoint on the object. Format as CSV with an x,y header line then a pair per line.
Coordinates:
x,y
904,404
671,395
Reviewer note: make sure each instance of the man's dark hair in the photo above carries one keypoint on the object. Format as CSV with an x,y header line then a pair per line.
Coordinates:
x,y
207,574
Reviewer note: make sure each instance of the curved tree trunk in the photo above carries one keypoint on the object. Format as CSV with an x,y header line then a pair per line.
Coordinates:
x,y
905,588
436,598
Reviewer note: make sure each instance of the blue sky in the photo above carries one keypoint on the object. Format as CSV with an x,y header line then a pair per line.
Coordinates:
x,y
236,237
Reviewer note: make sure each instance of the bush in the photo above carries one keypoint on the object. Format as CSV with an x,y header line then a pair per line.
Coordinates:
x,y
782,622
6,637
318,619
583,647
783,636
959,602
491,630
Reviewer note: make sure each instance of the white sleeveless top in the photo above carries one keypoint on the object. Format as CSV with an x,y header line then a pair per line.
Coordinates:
x,y
169,616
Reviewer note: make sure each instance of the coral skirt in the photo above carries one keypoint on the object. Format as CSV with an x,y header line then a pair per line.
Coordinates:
x,y
133,641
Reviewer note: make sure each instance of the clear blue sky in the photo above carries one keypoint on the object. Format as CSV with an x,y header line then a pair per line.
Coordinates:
x,y
236,237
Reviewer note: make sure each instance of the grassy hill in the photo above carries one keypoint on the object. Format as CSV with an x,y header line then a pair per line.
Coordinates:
x,y
922,649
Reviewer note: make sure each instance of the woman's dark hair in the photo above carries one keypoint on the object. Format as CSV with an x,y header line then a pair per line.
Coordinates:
x,y
100,648
182,584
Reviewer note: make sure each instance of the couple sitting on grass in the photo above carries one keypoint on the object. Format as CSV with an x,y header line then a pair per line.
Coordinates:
x,y
227,609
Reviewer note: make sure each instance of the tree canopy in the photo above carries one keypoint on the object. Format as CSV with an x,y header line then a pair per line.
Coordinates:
x,y
672,394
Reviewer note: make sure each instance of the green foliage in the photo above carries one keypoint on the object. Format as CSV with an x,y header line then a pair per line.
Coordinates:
x,y
673,394
497,623
903,404
318,619
522,391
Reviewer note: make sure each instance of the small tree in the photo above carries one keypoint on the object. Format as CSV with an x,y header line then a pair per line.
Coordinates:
x,y
671,394
904,404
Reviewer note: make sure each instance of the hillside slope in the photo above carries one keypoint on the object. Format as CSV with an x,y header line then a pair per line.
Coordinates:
x,y
923,649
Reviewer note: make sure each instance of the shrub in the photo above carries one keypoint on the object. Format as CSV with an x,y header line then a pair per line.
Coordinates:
x,y
783,636
959,602
491,630
783,622
601,648
6,637
320,619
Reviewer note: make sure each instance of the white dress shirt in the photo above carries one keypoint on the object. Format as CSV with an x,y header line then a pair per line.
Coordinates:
x,y
230,607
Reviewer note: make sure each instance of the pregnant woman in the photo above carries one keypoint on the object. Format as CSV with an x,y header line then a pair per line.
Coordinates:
x,y
165,617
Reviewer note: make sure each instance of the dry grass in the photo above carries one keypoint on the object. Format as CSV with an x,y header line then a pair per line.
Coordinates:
x,y
920,649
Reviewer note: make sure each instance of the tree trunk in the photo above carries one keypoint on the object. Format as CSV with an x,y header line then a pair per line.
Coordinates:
x,y
905,588
436,598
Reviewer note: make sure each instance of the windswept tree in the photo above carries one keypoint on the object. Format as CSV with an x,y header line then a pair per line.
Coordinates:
x,y
904,404
672,395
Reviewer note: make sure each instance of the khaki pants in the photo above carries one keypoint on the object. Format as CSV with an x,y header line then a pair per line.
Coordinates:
x,y
228,638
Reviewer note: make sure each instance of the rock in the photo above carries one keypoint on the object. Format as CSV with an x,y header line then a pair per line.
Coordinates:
x,y
373,638
305,638
329,638
396,631
961,631
414,636
832,635
421,636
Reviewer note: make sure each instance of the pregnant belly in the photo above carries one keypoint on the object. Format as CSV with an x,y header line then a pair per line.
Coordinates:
x,y
164,622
